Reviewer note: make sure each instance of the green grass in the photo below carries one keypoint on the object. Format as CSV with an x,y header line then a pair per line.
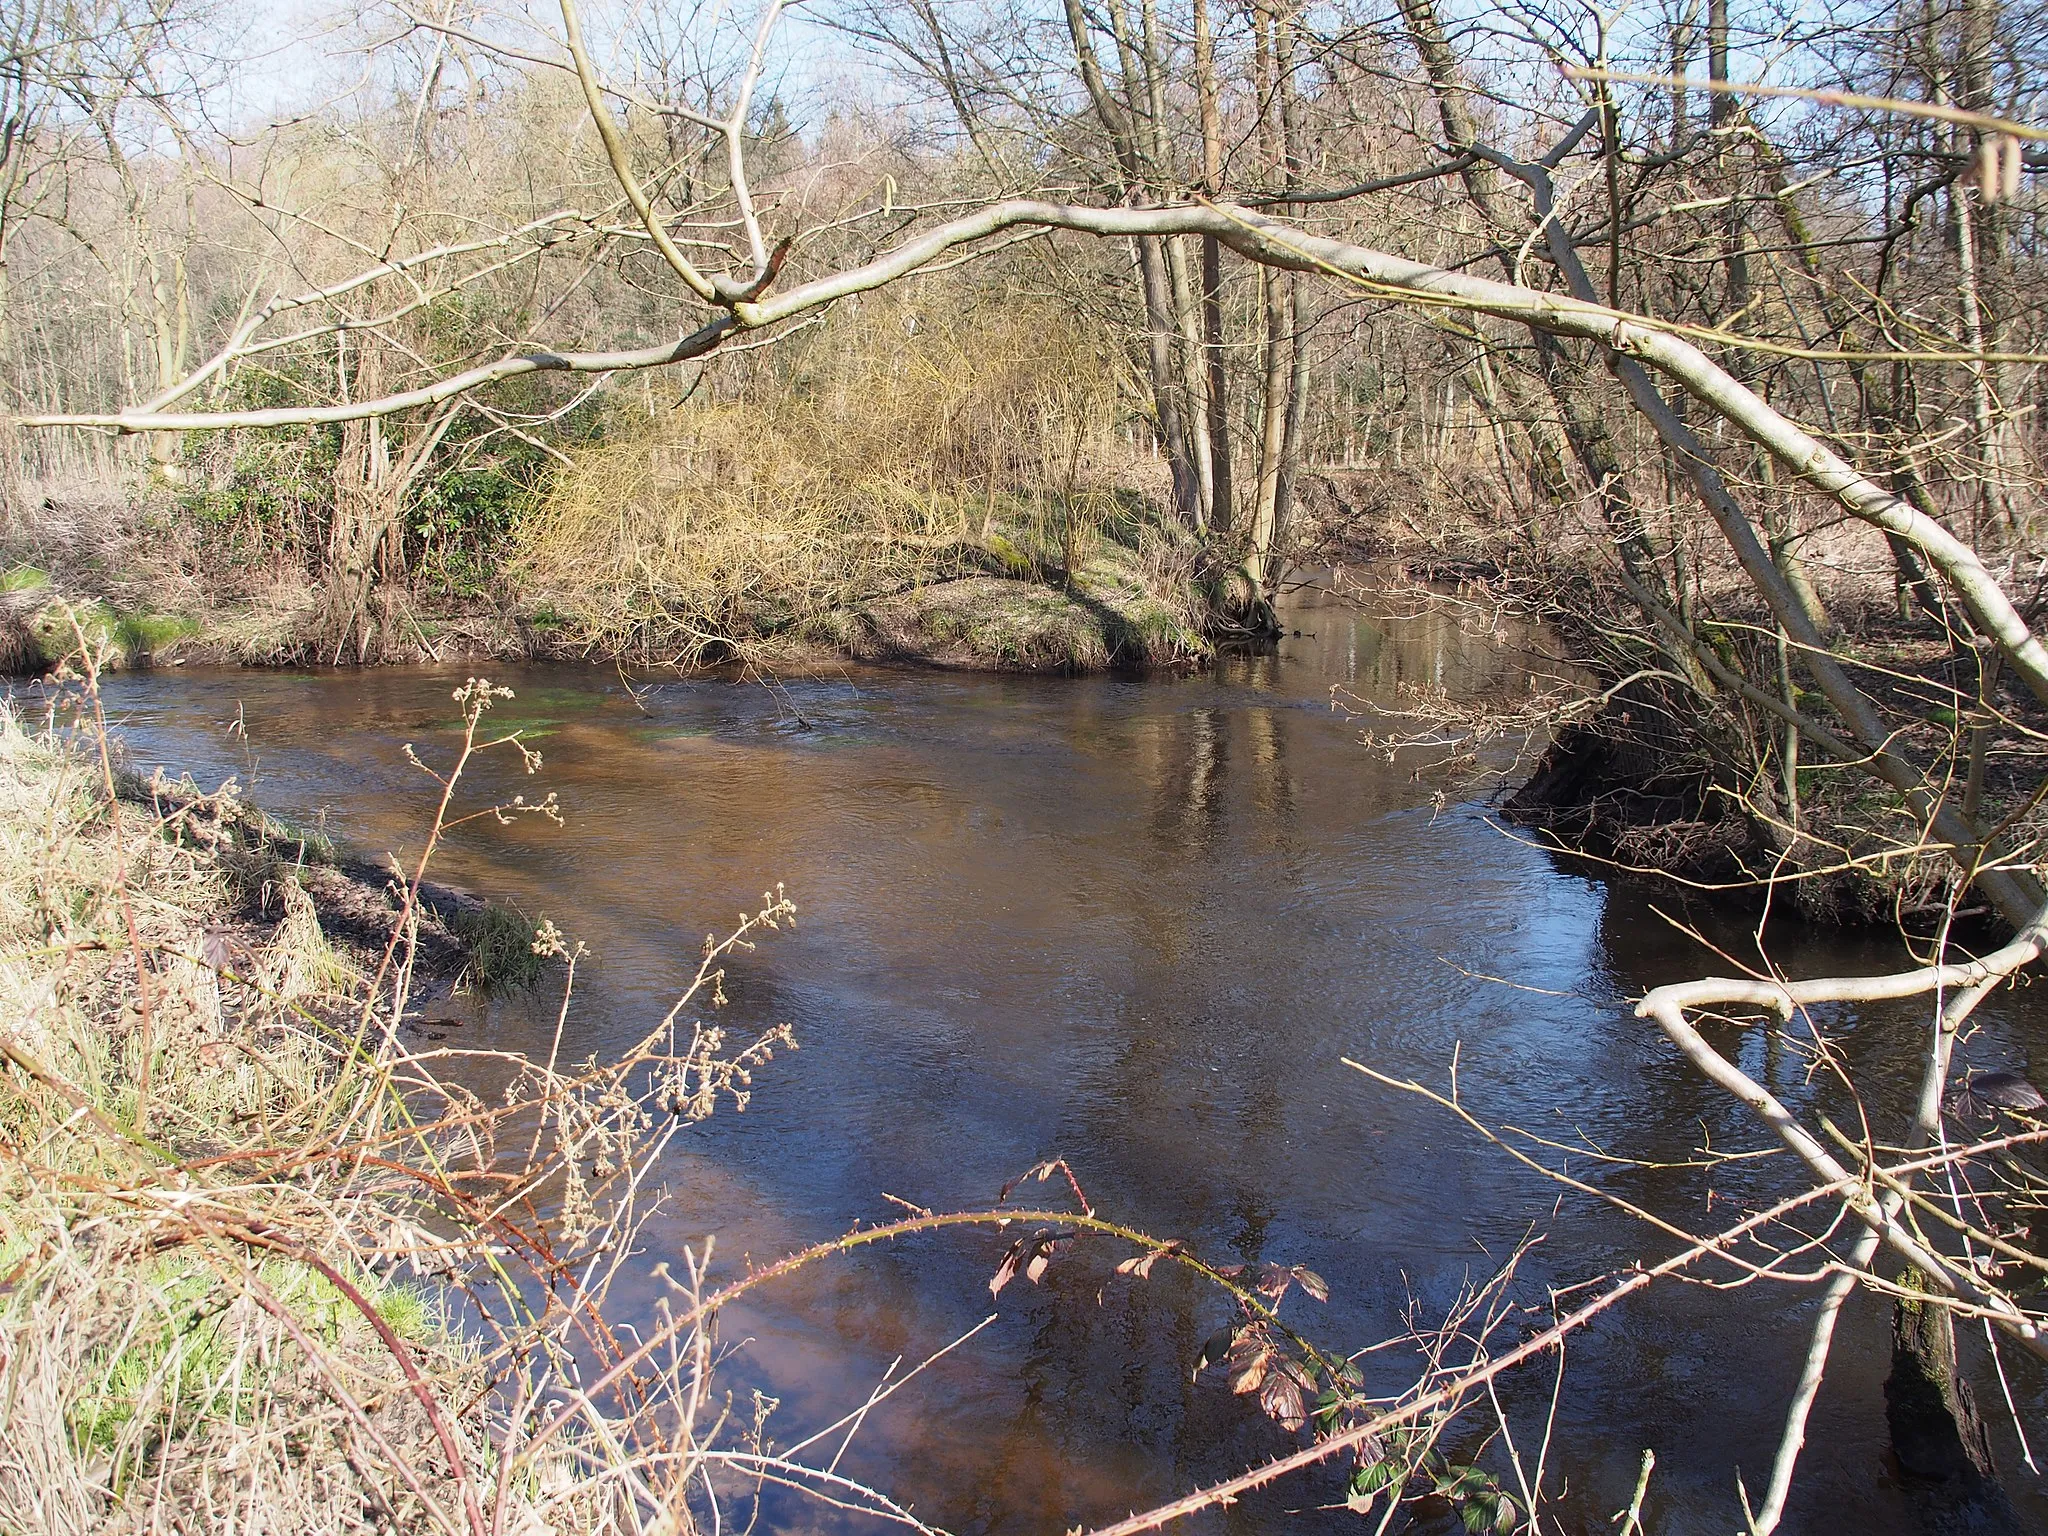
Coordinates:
x,y
296,842
24,578
179,1364
500,943
145,634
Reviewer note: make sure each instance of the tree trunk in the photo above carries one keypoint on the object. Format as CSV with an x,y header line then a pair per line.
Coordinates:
x,y
1721,113
1279,376
1172,429
1194,383
1937,1433
1274,287
1224,498
1147,253
1290,440
1292,153
1222,513
1151,66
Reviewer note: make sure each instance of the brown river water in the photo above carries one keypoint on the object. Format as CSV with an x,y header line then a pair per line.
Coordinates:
x,y
1135,922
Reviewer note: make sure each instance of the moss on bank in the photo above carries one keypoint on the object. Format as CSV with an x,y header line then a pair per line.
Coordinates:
x,y
39,624
987,622
1028,614
1067,584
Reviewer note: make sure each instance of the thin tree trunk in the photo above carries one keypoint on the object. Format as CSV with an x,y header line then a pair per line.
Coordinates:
x,y
1878,392
1172,430
1275,288
1279,375
1297,402
1207,95
1194,386
1221,469
1681,61
1291,149
1721,114
1147,254
1990,471
1585,425
1151,69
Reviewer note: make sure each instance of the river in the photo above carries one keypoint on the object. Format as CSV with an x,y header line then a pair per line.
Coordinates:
x,y
1136,923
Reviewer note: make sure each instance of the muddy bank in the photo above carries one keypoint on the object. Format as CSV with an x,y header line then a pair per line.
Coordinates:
x,y
1626,793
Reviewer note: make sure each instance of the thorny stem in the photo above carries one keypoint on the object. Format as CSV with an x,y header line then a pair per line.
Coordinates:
x,y
458,1465
343,1399
864,1237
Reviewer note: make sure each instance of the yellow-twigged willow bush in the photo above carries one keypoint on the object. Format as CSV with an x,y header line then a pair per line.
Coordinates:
x,y
894,444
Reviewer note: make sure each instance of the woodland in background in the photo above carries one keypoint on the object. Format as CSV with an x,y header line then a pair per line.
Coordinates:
x,y
668,331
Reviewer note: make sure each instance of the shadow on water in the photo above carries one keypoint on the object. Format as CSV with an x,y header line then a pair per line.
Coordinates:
x,y
1135,922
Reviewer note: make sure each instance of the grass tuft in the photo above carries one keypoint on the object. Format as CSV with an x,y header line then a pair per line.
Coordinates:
x,y
24,578
500,942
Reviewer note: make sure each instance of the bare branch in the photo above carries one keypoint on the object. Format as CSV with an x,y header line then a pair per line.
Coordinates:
x,y
622,163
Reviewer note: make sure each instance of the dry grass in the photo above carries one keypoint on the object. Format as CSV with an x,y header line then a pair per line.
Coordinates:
x,y
133,1344
119,564
262,1267
808,496
147,580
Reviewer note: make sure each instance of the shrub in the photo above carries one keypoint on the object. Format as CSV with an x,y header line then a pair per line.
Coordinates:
x,y
875,462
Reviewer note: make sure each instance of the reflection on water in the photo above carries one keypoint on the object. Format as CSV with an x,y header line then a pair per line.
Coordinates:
x,y
1136,923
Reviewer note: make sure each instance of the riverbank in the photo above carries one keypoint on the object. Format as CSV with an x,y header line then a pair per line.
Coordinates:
x,y
1677,781
175,982
249,1217
1716,764
1034,587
